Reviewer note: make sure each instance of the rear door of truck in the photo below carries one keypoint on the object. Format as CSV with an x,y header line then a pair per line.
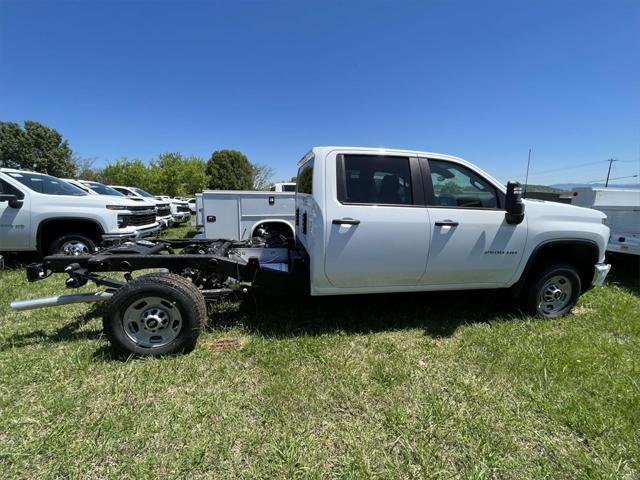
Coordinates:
x,y
378,230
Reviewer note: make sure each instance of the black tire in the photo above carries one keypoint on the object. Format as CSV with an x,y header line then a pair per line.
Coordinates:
x,y
85,245
559,280
176,292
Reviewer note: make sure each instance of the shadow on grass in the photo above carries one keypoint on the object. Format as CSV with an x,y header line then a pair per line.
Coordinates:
x,y
625,272
437,314
69,332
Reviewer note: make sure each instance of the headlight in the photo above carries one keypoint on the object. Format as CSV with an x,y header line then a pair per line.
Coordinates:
x,y
123,221
117,207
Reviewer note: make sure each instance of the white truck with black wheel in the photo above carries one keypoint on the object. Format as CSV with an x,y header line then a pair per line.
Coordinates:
x,y
41,213
367,221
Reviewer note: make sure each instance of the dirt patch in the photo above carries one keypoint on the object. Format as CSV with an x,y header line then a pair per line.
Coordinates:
x,y
225,344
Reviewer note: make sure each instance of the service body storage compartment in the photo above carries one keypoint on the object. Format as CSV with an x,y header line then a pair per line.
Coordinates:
x,y
240,215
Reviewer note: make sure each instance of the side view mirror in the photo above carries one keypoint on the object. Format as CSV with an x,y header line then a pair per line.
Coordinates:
x,y
513,203
12,199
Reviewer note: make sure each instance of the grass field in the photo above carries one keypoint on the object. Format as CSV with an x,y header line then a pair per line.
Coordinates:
x,y
398,386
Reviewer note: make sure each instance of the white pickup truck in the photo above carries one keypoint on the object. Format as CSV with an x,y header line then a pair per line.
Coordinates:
x,y
367,221
163,208
45,214
180,211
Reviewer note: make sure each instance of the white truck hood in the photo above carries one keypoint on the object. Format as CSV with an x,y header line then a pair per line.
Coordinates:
x,y
559,210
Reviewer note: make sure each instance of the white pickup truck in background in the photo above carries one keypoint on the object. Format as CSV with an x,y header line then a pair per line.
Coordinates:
x,y
163,209
367,220
46,214
180,211
240,215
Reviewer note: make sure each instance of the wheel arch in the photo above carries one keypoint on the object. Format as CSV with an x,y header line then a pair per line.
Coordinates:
x,y
579,252
51,228
275,221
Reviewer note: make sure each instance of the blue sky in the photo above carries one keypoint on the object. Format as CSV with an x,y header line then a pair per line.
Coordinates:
x,y
482,80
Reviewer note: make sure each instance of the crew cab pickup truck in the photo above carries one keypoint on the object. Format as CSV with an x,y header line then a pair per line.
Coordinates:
x,y
46,214
367,221
163,209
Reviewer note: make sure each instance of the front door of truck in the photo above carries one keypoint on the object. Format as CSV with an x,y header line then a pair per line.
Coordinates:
x,y
15,223
471,243
378,229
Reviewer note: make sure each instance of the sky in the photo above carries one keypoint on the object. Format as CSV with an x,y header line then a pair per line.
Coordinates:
x,y
482,80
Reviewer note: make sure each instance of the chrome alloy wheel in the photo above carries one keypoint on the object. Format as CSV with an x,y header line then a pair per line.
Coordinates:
x,y
75,248
555,295
152,322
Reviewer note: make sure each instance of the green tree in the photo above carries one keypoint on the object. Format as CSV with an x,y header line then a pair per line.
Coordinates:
x,y
35,147
127,172
175,175
229,170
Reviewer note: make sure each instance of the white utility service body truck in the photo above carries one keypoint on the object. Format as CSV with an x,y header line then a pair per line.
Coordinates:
x,y
622,207
367,221
46,214
241,214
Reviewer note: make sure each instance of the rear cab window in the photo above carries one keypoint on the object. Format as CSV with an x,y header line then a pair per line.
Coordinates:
x,y
305,178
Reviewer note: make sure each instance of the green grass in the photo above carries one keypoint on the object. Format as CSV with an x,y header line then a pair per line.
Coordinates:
x,y
396,386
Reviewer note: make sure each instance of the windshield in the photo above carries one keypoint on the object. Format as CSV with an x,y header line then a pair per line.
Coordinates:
x,y
47,184
103,189
142,193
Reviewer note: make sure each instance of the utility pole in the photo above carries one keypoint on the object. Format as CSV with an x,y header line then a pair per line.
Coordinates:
x,y
611,160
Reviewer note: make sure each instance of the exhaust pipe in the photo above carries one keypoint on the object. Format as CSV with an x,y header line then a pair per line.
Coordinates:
x,y
60,300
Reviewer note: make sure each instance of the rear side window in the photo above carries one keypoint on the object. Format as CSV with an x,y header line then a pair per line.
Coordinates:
x,y
305,178
288,188
375,179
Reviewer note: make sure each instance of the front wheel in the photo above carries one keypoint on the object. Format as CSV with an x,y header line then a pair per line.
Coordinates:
x,y
73,244
553,291
154,315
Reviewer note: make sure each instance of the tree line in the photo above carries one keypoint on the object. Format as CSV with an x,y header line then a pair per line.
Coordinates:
x,y
39,148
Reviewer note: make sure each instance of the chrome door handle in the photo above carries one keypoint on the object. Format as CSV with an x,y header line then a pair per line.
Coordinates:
x,y
446,223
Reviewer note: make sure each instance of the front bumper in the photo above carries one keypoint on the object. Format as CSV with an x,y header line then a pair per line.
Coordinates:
x,y
141,233
600,272
165,222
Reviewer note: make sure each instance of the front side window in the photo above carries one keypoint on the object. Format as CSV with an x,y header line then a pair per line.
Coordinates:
x,y
47,184
8,189
376,179
458,186
305,178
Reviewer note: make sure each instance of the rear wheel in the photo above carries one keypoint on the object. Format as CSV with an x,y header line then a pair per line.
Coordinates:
x,y
154,315
553,291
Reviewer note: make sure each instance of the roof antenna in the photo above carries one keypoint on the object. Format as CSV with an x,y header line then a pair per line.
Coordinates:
x,y
526,179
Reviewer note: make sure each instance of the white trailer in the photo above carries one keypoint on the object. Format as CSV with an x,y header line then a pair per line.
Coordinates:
x,y
241,215
622,207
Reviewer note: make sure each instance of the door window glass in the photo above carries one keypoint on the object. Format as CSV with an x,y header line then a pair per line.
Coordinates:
x,y
376,179
457,186
8,189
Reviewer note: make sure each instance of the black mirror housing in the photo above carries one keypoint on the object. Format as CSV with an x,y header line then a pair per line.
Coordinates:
x,y
514,205
13,200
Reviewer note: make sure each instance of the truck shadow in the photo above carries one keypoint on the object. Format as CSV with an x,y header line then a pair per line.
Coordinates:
x,y
625,272
437,314
69,332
